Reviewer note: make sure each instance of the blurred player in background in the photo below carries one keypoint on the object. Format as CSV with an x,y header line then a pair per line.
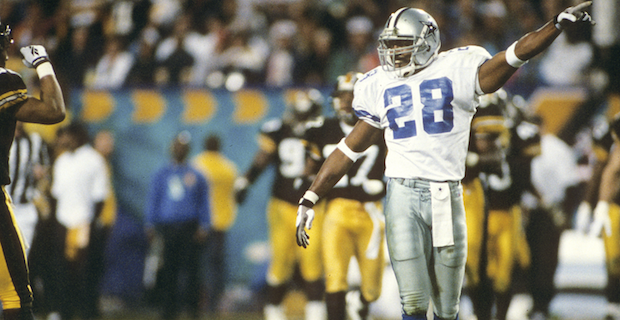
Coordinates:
x,y
603,196
280,144
354,223
422,102
17,105
505,148
220,173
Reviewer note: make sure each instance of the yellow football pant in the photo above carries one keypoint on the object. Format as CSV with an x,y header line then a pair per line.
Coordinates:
x,y
473,199
13,268
350,230
285,253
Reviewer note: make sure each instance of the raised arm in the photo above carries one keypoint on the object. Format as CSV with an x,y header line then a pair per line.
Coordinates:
x,y
494,73
50,107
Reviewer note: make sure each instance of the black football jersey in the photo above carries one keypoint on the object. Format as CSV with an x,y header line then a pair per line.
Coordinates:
x,y
289,159
505,189
364,181
13,93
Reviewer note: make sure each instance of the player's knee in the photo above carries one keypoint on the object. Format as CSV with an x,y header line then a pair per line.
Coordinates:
x,y
371,294
414,304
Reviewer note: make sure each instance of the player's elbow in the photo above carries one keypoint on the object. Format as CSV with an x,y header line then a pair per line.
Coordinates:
x,y
56,116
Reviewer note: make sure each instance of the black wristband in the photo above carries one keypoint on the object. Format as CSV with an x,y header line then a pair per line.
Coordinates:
x,y
306,203
38,61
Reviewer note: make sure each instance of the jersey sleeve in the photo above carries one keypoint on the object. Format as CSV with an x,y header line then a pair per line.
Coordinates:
x,y
471,58
363,105
12,89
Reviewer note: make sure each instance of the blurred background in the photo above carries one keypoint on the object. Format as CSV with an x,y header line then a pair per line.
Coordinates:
x,y
148,69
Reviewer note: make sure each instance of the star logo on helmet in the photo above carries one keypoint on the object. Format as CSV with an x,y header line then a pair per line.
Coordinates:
x,y
430,28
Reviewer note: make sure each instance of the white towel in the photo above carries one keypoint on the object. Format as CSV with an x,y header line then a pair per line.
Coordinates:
x,y
374,243
442,214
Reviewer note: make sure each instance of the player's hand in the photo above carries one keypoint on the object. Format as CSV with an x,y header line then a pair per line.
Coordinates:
x,y
34,55
241,189
601,220
583,216
305,216
573,15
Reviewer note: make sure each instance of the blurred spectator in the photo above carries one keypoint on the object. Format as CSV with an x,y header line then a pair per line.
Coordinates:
x,y
207,48
104,144
80,186
554,71
555,177
112,68
246,54
178,213
34,28
75,56
312,68
173,56
492,21
358,53
164,13
607,40
221,174
142,72
282,60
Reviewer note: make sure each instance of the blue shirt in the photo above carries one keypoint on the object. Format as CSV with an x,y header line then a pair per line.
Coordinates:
x,y
178,193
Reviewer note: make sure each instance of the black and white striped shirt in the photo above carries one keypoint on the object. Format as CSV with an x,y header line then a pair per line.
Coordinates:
x,y
27,151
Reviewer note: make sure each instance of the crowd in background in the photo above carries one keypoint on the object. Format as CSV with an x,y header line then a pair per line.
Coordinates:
x,y
105,44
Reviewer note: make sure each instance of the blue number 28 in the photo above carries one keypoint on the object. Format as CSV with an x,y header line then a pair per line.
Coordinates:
x,y
437,114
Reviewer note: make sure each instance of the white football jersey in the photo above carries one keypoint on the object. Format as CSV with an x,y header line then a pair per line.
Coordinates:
x,y
426,116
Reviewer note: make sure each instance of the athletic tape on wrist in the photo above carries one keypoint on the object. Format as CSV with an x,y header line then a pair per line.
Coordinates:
x,y
348,152
311,196
45,69
556,23
512,58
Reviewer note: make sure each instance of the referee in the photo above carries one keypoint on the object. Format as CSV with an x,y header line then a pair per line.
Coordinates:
x,y
29,161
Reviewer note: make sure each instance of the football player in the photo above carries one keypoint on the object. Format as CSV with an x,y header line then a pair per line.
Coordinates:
x,y
280,145
604,197
354,223
422,102
17,105
507,152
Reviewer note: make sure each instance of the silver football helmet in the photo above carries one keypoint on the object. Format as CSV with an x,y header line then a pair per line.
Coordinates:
x,y
410,40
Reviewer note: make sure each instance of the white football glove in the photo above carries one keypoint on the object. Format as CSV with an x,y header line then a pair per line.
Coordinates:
x,y
572,15
34,55
583,216
305,216
601,220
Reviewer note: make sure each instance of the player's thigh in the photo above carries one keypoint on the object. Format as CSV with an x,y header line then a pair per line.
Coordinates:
x,y
8,294
311,258
408,235
338,248
501,248
612,243
281,217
